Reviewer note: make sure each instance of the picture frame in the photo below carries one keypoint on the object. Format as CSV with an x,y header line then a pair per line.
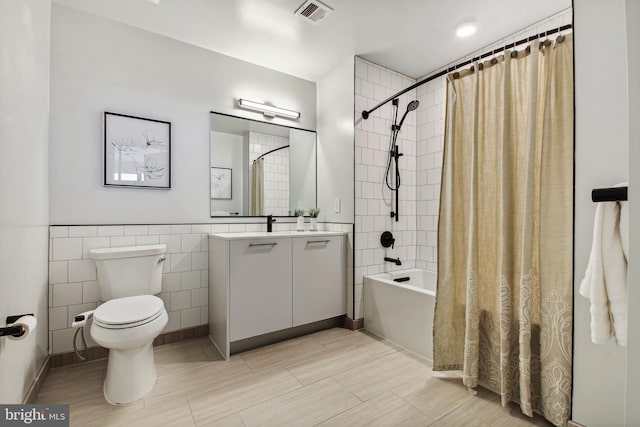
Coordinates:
x,y
137,152
221,183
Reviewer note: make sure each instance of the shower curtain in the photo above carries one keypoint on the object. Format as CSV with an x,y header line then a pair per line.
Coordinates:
x,y
504,300
257,187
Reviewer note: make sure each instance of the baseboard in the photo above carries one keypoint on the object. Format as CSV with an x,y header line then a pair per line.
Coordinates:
x,y
353,324
95,353
285,334
38,381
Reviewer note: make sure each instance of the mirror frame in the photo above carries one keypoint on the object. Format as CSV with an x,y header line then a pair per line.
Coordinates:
x,y
268,123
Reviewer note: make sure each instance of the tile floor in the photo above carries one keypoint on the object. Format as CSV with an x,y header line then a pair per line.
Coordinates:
x,y
335,377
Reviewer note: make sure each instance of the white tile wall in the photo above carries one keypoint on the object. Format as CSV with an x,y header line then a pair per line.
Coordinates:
x,y
72,274
430,140
276,170
374,201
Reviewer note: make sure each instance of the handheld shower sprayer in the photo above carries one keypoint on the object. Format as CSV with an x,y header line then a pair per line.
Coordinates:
x,y
394,150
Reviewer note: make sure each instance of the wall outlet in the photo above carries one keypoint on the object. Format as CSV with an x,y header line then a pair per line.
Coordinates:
x,y
337,205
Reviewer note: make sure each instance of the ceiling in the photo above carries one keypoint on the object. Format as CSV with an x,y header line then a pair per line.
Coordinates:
x,y
413,37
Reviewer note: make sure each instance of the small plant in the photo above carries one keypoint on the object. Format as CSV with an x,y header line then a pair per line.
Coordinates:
x,y
298,212
314,212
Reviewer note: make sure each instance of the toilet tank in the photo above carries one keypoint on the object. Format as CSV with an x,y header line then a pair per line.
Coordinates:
x,y
129,271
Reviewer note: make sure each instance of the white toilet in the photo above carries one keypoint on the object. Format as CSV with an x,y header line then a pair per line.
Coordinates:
x,y
130,318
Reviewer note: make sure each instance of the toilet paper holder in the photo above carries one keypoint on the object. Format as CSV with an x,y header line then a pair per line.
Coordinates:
x,y
16,331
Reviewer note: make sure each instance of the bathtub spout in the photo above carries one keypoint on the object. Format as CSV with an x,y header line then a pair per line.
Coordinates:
x,y
394,260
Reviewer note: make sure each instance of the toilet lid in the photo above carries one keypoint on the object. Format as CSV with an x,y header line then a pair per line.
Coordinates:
x,y
128,311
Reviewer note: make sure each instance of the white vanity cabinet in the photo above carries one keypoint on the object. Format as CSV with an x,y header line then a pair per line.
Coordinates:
x,y
260,288
319,288
267,282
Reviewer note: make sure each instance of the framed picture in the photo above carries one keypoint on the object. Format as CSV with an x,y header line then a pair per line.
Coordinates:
x,y
221,183
137,152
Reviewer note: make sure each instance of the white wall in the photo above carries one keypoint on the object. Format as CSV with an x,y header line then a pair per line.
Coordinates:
x,y
601,160
335,143
100,65
632,410
24,122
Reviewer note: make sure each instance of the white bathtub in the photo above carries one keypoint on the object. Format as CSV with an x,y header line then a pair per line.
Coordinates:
x,y
402,311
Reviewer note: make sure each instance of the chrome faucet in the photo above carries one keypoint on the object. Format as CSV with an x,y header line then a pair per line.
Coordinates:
x,y
270,221
394,260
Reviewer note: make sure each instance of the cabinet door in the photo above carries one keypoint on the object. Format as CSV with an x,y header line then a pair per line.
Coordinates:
x,y
319,285
260,294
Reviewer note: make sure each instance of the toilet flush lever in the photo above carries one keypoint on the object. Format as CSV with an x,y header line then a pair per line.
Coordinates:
x,y
163,259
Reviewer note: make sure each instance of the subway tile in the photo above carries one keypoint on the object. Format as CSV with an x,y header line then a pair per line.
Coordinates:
x,y
83,231
174,322
171,282
199,260
199,297
110,230
67,294
219,228
204,315
180,262
147,240
166,300
204,278
190,280
58,318
191,243
62,340
172,241
89,243
58,272
200,228
122,241
237,228
82,270
90,292
58,231
181,229
190,317
180,300
136,230
160,229
67,248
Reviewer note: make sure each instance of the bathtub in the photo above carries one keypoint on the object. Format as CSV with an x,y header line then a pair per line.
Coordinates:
x,y
398,306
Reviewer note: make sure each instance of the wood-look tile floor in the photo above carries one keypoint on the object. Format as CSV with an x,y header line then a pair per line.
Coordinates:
x,y
335,377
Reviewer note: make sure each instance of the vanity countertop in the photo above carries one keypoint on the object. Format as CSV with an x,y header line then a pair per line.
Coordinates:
x,y
275,234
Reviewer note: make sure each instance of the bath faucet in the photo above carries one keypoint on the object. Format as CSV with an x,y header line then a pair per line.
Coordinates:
x,y
270,221
394,260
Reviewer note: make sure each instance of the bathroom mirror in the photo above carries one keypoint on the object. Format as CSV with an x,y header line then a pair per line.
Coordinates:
x,y
260,168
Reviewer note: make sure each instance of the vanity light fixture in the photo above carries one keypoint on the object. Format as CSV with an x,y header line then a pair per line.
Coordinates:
x,y
268,110
466,29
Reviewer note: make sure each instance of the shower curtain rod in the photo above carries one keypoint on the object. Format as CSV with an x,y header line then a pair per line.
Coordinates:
x,y
365,114
269,152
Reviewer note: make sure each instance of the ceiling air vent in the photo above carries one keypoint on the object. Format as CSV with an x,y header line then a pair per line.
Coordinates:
x,y
314,11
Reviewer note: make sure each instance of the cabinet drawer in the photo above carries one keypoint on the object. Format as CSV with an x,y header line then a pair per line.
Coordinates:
x,y
319,281
260,294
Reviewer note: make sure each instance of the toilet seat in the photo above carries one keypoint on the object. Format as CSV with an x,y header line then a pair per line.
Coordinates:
x,y
128,312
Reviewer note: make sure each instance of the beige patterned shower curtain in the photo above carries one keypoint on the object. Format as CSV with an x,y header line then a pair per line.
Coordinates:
x,y
504,302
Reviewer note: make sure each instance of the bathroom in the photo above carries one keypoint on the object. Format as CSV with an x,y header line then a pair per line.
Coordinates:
x,y
71,61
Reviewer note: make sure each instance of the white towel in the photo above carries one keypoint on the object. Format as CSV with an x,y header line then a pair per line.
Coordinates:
x,y
605,281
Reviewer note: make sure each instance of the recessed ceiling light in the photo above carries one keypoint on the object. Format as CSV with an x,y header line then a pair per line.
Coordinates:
x,y
466,29
156,2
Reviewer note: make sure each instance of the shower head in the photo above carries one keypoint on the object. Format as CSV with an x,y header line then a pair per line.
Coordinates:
x,y
410,107
413,105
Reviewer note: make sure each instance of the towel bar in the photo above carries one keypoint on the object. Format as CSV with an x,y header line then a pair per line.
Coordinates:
x,y
613,194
